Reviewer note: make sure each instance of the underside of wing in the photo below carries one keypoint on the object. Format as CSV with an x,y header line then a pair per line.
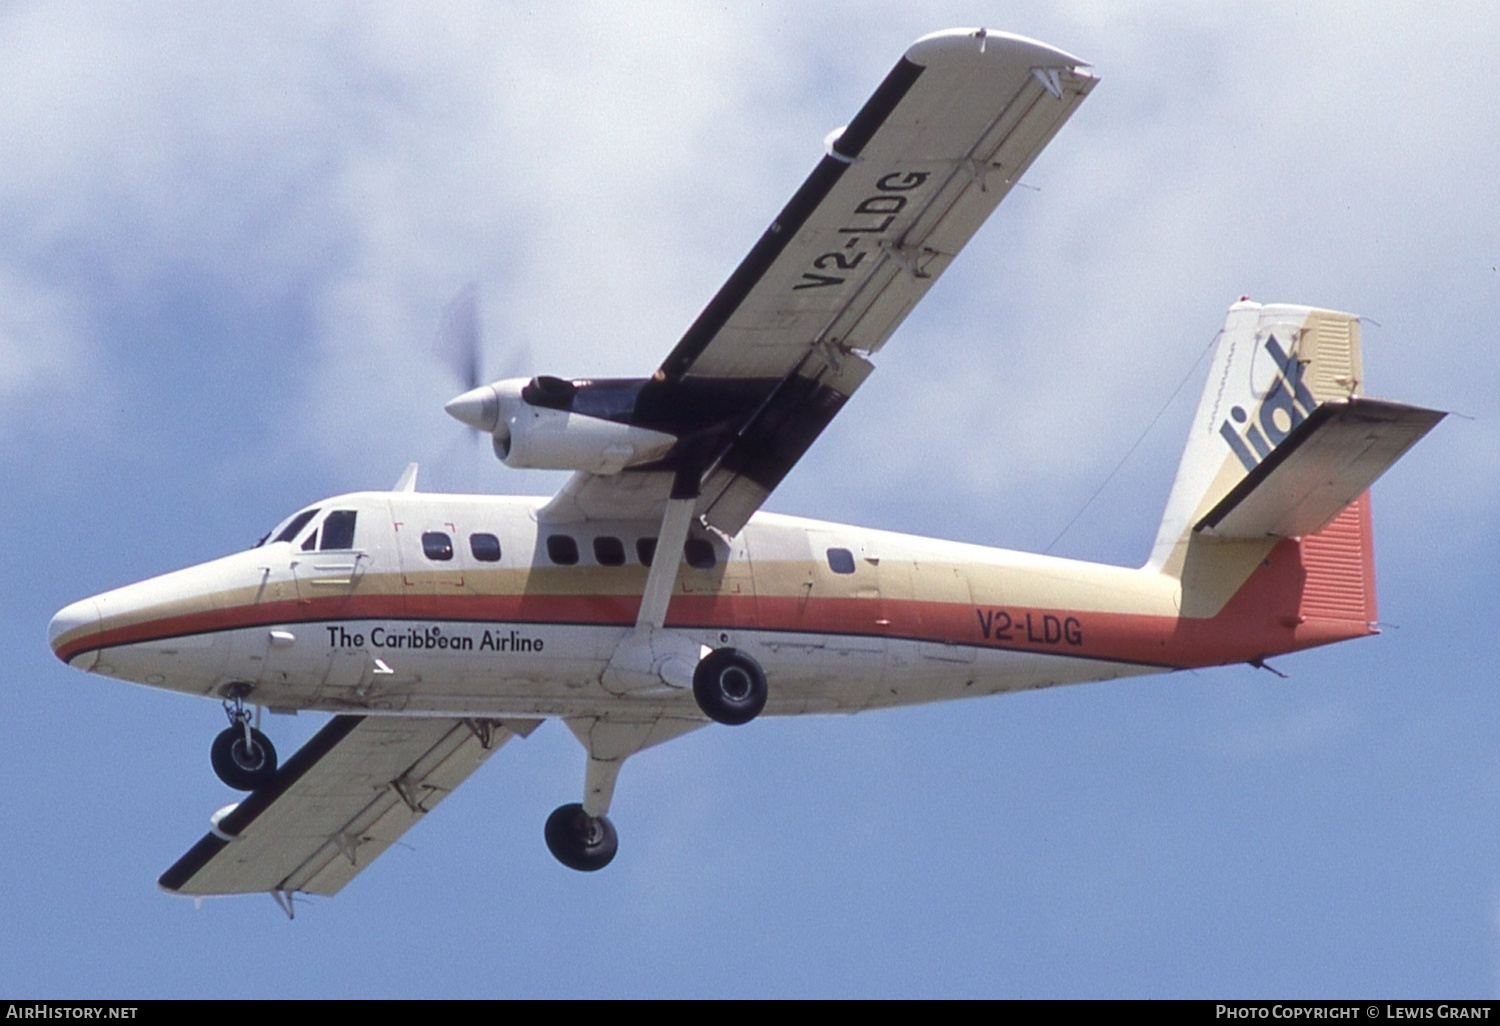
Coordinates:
x,y
901,190
338,803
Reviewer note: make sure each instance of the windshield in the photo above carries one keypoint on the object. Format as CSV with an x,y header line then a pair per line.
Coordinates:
x,y
288,528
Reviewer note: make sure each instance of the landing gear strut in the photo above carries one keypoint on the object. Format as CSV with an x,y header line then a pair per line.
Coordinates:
x,y
580,841
242,756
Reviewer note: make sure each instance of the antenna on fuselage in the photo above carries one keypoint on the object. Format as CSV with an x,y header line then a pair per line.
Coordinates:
x,y
407,482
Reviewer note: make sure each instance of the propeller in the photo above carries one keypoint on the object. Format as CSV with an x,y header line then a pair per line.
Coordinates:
x,y
459,344
458,336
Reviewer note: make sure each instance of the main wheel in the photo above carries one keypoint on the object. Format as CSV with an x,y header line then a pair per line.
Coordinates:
x,y
580,841
241,766
730,686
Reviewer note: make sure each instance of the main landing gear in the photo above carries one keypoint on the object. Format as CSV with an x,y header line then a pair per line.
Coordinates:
x,y
242,756
580,841
730,686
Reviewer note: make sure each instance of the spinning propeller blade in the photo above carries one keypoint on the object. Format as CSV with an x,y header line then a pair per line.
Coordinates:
x,y
459,342
458,336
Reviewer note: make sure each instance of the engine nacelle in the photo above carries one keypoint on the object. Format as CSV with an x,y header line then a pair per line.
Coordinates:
x,y
534,430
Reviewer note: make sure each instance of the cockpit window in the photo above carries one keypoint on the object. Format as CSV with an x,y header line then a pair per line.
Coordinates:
x,y
338,530
290,527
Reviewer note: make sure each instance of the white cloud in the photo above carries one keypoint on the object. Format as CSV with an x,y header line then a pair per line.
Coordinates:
x,y
599,182
600,171
40,353
600,176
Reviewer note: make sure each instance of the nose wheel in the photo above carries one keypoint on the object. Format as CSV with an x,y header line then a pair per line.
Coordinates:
x,y
580,841
242,756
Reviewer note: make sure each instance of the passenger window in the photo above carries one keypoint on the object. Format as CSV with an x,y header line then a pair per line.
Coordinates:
x,y
841,561
485,547
437,546
645,548
699,553
296,524
562,549
609,551
311,542
338,530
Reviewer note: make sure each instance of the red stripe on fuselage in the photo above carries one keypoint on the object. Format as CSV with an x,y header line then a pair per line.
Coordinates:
x,y
1260,620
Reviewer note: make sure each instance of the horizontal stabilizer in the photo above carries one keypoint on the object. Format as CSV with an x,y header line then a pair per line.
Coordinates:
x,y
1325,463
342,799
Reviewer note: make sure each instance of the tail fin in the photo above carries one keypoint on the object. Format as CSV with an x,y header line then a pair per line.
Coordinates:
x,y
1283,441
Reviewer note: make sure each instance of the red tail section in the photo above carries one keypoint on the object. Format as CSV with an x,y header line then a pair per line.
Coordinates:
x,y
1297,593
1339,567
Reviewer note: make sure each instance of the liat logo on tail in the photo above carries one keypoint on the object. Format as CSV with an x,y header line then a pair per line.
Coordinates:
x,y
1287,404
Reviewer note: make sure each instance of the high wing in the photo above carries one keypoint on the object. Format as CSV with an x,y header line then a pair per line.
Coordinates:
x,y
789,336
338,803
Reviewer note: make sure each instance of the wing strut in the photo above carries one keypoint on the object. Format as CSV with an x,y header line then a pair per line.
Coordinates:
x,y
650,656
675,522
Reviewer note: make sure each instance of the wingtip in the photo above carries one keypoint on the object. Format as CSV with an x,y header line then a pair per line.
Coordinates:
x,y
935,46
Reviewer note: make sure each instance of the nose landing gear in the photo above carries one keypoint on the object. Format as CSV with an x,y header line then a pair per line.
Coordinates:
x,y
242,756
579,834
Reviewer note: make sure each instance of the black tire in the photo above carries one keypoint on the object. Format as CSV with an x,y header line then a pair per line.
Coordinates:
x,y
243,767
580,841
730,686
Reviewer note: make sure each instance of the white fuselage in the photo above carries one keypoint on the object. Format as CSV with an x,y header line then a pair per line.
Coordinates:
x,y
465,605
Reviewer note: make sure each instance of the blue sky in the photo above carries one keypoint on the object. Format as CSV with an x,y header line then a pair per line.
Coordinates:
x,y
228,238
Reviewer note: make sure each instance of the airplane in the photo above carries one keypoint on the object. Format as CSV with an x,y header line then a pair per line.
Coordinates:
x,y
651,596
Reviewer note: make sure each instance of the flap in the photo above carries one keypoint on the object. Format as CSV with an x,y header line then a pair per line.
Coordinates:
x,y
342,799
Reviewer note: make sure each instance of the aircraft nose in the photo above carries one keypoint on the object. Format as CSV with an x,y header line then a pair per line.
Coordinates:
x,y
70,630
